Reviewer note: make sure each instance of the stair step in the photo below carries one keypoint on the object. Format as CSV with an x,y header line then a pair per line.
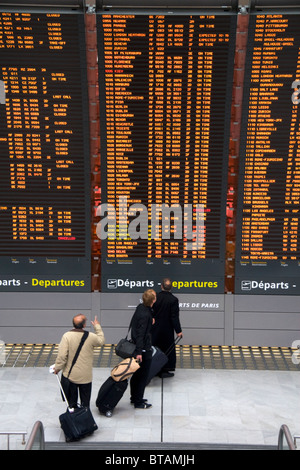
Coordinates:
x,y
150,446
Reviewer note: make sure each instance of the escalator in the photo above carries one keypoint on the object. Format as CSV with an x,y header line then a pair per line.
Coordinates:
x,y
37,442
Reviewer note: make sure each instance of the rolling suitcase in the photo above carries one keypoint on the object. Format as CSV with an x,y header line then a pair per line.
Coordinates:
x,y
109,395
159,360
76,423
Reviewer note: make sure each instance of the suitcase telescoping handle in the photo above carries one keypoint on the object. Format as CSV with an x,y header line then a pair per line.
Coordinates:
x,y
63,393
52,371
176,341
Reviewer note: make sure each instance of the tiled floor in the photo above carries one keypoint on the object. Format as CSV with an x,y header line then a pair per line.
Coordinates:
x,y
203,406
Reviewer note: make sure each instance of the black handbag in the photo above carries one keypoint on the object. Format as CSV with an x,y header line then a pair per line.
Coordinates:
x,y
125,347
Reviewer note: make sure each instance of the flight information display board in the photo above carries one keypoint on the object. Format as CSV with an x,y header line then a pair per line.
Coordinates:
x,y
165,85
44,148
268,238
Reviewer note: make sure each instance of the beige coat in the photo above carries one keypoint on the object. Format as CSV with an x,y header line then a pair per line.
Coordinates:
x,y
82,370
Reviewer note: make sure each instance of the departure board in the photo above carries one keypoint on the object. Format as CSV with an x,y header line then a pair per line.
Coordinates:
x,y
44,153
268,240
165,85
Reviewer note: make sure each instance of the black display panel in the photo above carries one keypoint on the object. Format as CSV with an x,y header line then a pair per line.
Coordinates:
x,y
44,153
165,84
268,244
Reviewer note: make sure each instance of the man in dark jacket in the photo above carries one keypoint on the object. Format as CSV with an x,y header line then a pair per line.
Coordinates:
x,y
141,325
166,316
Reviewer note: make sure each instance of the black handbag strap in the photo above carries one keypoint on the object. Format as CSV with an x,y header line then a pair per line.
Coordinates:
x,y
84,337
129,328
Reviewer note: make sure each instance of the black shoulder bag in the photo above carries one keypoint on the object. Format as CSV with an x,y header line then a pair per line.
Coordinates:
x,y
84,337
125,347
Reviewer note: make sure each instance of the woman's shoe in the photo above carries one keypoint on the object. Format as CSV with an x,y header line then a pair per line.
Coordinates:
x,y
143,406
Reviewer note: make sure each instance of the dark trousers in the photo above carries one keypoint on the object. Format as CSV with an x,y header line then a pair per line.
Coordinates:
x,y
138,381
71,391
171,364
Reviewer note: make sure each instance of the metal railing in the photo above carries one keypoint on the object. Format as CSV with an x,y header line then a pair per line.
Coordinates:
x,y
296,438
36,439
285,440
8,434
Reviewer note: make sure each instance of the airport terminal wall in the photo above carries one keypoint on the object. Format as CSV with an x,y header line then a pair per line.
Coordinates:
x,y
40,318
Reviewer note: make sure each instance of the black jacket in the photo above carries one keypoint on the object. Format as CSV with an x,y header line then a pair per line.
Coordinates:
x,y
166,314
141,324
